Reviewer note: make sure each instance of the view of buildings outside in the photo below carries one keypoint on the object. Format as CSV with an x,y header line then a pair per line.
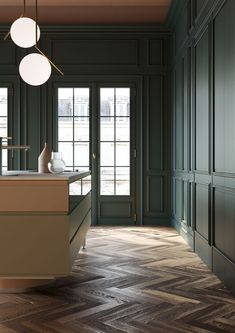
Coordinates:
x,y
73,135
3,122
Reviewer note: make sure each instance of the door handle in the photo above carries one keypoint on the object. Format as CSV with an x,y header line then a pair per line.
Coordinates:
x,y
94,156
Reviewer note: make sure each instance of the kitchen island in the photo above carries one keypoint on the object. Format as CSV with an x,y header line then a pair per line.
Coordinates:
x,y
43,223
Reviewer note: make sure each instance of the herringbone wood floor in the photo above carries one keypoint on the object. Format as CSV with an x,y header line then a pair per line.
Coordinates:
x,y
134,280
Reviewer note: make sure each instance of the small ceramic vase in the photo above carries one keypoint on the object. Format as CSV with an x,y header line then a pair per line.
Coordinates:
x,y
43,159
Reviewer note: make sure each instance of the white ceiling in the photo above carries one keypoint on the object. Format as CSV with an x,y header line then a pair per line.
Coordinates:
x,y
88,11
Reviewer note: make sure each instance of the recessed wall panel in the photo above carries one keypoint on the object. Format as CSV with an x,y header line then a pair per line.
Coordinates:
x,y
155,52
155,123
8,53
225,89
202,210
202,103
179,116
224,223
115,209
178,199
95,52
155,196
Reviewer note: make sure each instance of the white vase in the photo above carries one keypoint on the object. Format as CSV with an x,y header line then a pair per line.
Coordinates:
x,y
56,164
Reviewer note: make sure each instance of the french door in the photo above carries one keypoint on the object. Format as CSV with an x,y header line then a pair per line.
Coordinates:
x,y
96,130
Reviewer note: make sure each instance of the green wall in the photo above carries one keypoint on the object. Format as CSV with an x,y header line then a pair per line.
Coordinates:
x,y
203,164
91,55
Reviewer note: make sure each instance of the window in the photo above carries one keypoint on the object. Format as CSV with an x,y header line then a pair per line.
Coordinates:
x,y
4,122
115,141
74,129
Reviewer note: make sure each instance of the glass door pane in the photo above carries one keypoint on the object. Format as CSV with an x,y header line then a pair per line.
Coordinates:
x,y
73,125
115,141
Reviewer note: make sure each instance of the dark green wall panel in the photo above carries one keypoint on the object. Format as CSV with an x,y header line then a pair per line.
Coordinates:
x,y
187,110
202,103
208,125
199,5
224,268
203,249
156,149
186,199
115,210
156,52
178,199
202,210
224,88
95,52
179,116
181,26
155,127
8,55
155,197
224,222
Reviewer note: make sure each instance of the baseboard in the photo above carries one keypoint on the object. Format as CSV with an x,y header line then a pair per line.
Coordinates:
x,y
184,231
203,249
155,221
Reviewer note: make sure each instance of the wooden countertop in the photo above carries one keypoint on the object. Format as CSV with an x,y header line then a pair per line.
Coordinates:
x,y
20,175
27,191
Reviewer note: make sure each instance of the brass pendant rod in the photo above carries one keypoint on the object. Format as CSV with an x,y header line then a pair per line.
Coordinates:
x,y
7,35
49,60
36,22
36,43
24,8
23,14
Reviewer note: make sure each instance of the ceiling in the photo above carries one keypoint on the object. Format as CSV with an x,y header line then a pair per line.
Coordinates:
x,y
88,11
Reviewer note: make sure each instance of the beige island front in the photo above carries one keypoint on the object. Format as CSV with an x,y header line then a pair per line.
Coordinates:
x,y
42,227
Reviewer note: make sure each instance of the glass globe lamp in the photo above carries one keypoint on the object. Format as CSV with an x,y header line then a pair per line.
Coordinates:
x,y
23,32
35,69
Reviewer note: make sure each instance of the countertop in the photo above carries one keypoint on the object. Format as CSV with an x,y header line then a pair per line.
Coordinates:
x,y
33,175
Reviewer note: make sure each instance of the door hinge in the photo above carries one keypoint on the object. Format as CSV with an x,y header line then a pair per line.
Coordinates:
x,y
135,153
134,217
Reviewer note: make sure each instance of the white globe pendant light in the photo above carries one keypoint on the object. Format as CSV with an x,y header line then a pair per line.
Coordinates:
x,y
23,32
35,69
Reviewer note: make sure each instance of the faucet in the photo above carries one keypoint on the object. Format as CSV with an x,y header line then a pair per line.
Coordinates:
x,y
9,147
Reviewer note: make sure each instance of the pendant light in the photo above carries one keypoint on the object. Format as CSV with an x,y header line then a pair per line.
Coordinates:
x,y
22,30
34,68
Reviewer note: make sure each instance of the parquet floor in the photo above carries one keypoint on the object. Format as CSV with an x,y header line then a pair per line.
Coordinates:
x,y
134,280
